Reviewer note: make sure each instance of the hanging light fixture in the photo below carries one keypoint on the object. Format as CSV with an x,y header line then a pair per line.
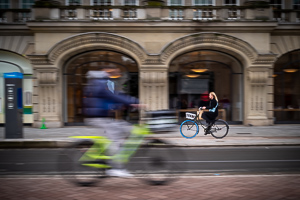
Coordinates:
x,y
291,70
192,75
199,70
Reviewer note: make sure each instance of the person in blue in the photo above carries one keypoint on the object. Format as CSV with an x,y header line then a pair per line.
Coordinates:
x,y
212,114
100,98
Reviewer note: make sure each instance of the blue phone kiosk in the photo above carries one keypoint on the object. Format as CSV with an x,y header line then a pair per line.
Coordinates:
x,y
13,105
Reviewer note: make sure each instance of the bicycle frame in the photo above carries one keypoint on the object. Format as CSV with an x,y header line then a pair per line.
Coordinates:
x,y
101,145
198,121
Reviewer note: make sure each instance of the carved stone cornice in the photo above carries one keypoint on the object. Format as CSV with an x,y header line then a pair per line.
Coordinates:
x,y
39,59
210,40
153,77
257,76
153,60
47,77
266,59
100,39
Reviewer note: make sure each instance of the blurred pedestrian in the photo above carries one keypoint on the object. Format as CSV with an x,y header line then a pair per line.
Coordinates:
x,y
100,98
212,114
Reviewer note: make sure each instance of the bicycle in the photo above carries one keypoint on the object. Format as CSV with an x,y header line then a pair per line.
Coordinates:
x,y
85,161
190,127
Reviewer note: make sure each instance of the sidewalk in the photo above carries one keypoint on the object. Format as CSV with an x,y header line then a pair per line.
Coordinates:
x,y
259,187
238,135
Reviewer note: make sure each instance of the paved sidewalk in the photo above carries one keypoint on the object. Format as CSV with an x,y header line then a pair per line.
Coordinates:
x,y
238,135
261,187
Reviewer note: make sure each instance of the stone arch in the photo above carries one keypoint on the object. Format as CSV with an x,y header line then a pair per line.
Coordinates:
x,y
281,45
257,81
89,41
212,41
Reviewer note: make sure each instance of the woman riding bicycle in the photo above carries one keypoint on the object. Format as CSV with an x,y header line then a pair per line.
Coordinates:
x,y
212,114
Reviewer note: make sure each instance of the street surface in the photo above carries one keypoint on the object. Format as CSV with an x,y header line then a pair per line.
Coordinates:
x,y
246,187
194,160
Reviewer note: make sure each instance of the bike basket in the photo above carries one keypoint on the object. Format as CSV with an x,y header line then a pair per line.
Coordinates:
x,y
190,115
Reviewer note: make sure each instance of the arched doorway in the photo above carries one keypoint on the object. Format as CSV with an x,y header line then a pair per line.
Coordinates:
x,y
287,88
75,79
194,74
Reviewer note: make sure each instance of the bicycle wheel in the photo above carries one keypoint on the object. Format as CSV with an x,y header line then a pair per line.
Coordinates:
x,y
158,163
219,129
76,171
189,129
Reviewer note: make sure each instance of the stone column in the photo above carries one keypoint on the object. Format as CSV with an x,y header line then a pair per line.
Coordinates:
x,y
256,96
154,87
45,98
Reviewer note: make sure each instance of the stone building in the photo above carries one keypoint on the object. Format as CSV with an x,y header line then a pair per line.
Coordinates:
x,y
171,54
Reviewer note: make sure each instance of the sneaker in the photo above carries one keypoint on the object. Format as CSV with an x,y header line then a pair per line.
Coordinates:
x,y
118,173
207,132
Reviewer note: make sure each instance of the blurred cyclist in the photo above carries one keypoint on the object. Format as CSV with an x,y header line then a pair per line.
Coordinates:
x,y
100,98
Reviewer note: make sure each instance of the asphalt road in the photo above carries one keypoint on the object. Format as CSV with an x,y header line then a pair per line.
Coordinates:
x,y
194,160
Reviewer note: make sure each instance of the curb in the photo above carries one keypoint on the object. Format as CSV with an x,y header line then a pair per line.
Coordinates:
x,y
32,144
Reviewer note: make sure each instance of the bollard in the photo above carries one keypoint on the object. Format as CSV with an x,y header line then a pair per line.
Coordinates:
x,y
43,124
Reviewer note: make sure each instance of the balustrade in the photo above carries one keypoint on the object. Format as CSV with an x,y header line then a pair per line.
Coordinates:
x,y
176,14
109,12
130,14
15,15
204,14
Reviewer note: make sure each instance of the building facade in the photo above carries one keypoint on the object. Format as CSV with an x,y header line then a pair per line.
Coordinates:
x,y
171,54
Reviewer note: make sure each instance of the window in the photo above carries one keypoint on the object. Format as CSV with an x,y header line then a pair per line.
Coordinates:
x,y
130,3
277,6
232,12
175,2
130,13
4,4
203,14
296,4
231,2
175,14
25,4
287,87
203,2
73,2
102,2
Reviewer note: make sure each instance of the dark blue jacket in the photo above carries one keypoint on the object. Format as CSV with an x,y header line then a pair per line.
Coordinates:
x,y
98,99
